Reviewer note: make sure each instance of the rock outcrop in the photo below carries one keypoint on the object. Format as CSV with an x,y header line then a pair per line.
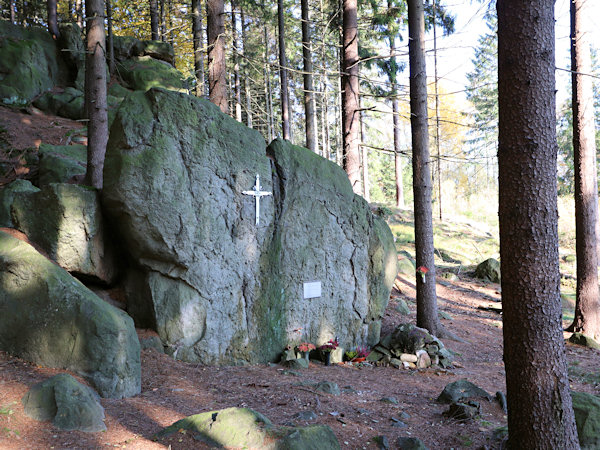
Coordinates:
x,y
50,318
218,287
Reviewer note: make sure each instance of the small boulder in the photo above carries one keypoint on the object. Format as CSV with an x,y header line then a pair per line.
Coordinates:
x,y
460,390
61,163
463,411
245,428
410,443
328,387
69,404
7,196
489,270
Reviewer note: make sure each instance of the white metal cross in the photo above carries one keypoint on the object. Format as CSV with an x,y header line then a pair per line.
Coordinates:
x,y
257,193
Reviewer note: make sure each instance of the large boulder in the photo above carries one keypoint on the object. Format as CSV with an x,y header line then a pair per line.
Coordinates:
x,y
29,63
61,163
70,229
245,428
50,318
218,287
7,196
587,416
68,403
144,72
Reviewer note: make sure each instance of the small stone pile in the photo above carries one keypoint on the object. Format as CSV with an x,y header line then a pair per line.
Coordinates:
x,y
411,347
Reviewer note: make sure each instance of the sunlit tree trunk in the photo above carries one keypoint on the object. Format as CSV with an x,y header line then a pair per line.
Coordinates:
x,y
427,313
397,155
163,21
350,94
237,87
309,96
13,18
95,92
217,82
52,19
247,93
198,43
540,413
587,306
365,157
283,74
79,12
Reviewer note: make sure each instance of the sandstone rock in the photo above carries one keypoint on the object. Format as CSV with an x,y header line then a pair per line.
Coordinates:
x,y
460,390
72,49
463,411
423,359
408,357
245,428
489,270
402,307
215,285
69,404
7,196
60,163
50,318
143,73
70,230
587,417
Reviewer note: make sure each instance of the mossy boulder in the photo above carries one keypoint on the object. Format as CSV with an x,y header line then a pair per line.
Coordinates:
x,y
406,263
65,220
72,50
69,404
30,63
587,417
66,102
49,318
7,196
489,270
141,73
217,286
245,428
61,163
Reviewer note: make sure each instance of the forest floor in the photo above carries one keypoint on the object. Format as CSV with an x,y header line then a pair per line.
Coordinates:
x,y
172,389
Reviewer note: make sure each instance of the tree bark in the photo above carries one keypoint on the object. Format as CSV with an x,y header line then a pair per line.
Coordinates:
x,y
587,306
309,95
283,75
247,94
397,155
237,87
154,35
110,43
427,313
163,22
13,17
52,19
350,94
365,156
217,83
79,12
197,40
95,92
540,410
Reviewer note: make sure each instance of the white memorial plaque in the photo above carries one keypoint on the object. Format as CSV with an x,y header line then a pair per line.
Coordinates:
x,y
312,289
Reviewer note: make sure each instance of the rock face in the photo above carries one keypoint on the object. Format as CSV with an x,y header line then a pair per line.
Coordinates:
x,y
245,428
70,230
217,287
587,416
7,196
50,318
69,404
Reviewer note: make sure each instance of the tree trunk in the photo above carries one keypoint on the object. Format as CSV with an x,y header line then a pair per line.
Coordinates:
x,y
283,75
397,154
365,157
237,87
350,122
79,12
13,17
197,39
587,307
163,22
110,43
427,314
268,95
309,95
52,19
154,19
247,94
540,410
95,92
217,83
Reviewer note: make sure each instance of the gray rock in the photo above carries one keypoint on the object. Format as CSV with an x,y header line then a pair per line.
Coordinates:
x,y
463,411
489,270
381,442
306,416
70,229
174,174
444,315
587,417
298,363
410,443
402,307
460,390
152,342
61,163
501,399
392,400
50,318
69,404
141,73
406,263
327,387
72,49
245,428
7,195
